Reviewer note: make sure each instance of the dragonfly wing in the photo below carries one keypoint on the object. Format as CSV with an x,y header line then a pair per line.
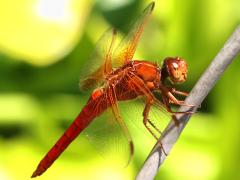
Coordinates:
x,y
109,134
107,137
100,63
121,123
127,47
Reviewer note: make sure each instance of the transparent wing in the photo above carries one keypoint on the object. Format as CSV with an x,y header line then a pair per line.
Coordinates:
x,y
132,112
107,137
99,63
127,47
109,134
103,58
115,110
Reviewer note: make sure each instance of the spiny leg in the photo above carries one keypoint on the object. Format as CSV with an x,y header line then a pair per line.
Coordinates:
x,y
166,103
168,98
171,98
153,125
174,91
146,120
180,101
168,92
176,101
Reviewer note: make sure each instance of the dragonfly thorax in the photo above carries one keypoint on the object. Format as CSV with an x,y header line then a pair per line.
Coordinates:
x,y
149,72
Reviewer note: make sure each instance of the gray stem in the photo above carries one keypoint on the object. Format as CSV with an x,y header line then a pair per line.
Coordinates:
x,y
196,96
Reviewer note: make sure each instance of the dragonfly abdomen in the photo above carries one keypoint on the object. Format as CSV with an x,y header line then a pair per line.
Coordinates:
x,y
92,109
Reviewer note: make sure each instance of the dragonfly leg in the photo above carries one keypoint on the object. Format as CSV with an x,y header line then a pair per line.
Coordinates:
x,y
180,101
181,112
167,105
174,91
174,100
168,92
146,121
166,102
154,126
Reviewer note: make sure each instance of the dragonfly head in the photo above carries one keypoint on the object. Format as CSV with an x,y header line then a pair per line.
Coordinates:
x,y
176,69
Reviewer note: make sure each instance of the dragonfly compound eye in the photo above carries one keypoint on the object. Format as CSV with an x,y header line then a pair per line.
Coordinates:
x,y
177,69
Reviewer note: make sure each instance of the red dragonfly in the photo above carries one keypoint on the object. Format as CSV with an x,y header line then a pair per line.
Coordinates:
x,y
117,77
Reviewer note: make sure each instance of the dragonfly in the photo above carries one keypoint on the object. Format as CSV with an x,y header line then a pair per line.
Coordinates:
x,y
115,77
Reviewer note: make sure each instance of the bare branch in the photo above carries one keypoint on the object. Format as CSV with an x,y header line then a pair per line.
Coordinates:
x,y
197,95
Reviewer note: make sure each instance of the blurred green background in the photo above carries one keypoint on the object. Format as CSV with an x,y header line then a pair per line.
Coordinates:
x,y
43,46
